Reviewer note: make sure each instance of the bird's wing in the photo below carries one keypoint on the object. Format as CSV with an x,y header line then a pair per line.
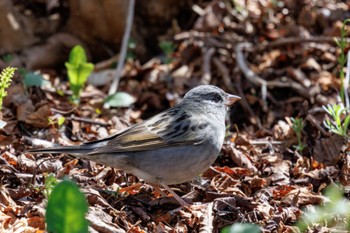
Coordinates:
x,y
166,130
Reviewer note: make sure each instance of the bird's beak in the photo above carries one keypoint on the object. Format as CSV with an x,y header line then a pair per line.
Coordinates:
x,y
231,99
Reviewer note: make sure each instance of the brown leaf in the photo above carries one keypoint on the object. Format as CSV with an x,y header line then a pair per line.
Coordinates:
x,y
36,222
241,159
327,150
24,110
345,171
40,117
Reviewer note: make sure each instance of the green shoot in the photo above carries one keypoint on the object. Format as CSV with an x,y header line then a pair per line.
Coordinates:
x,y
78,70
298,126
342,57
50,183
7,57
340,119
61,120
131,49
168,49
54,120
335,213
5,81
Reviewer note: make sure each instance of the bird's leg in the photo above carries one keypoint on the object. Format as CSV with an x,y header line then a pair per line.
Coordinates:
x,y
179,199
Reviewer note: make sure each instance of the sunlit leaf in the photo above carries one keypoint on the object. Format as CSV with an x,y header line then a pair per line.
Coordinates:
x,y
66,209
120,99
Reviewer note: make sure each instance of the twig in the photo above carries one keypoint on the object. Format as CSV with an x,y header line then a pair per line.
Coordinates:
x,y
296,40
224,72
258,81
123,49
244,103
248,73
106,63
317,124
86,120
37,142
235,89
206,66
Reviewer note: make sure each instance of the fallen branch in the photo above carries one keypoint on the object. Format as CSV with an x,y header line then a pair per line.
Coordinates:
x,y
258,81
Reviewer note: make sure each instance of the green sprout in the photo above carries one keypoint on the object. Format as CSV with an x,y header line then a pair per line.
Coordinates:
x,y
298,126
168,49
50,183
340,119
78,70
342,44
5,81
334,213
131,49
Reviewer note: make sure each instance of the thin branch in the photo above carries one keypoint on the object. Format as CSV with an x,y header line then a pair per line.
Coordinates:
x,y
258,81
206,78
123,48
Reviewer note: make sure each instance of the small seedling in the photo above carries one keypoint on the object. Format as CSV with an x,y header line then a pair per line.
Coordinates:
x,y
78,71
168,49
131,49
50,183
334,213
298,126
5,81
60,121
340,119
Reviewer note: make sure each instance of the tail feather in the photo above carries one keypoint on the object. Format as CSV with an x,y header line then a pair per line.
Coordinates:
x,y
62,149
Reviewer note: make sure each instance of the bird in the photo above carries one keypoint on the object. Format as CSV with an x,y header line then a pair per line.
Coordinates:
x,y
169,148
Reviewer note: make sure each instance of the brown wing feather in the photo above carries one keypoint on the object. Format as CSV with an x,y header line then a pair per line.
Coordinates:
x,y
137,138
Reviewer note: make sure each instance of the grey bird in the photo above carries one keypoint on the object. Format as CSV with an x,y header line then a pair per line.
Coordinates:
x,y
172,147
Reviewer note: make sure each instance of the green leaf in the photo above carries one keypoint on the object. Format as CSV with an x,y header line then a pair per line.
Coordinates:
x,y
78,69
120,99
77,55
241,228
60,121
66,209
32,79
50,183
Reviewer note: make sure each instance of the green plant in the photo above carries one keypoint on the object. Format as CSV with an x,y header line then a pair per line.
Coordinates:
x,y
340,119
50,183
241,228
5,81
298,126
66,209
131,49
168,49
334,213
54,120
342,44
78,70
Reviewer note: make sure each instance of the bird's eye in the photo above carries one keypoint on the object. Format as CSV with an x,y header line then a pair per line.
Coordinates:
x,y
215,97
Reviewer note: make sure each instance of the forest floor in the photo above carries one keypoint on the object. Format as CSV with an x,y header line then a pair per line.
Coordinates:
x,y
278,156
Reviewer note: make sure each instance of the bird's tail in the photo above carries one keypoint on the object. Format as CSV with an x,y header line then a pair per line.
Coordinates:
x,y
82,149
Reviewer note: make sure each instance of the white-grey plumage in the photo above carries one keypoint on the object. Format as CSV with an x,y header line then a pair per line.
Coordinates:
x,y
171,147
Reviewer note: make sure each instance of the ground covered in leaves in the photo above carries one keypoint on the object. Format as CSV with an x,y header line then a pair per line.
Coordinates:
x,y
279,56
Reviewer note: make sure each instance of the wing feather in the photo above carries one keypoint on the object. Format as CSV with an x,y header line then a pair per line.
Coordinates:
x,y
163,130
